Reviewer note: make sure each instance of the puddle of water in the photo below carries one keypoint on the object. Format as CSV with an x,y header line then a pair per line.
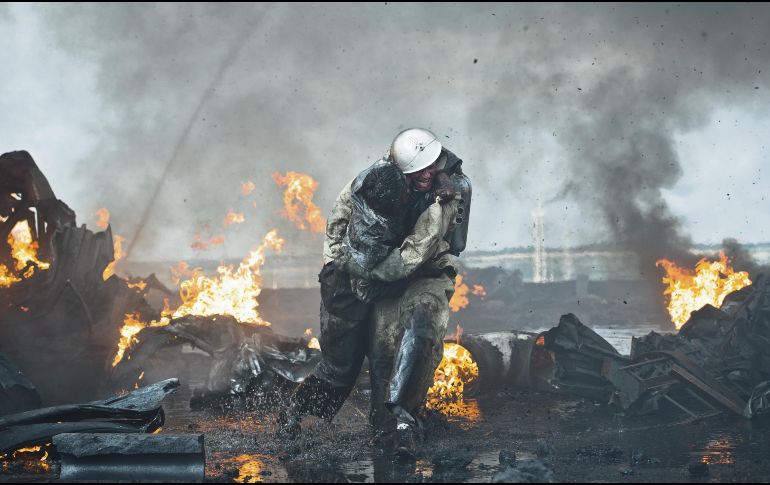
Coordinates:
x,y
483,467
719,451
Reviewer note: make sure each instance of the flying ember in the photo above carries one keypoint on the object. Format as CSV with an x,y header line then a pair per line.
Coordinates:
x,y
234,218
247,187
201,245
102,218
460,297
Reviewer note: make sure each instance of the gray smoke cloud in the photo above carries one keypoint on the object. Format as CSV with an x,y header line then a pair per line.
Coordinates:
x,y
616,88
575,105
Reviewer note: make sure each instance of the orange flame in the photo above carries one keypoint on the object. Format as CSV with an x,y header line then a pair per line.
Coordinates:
x,y
136,384
690,290
313,344
28,465
139,285
250,469
457,336
234,218
199,245
118,255
132,325
247,188
479,291
31,449
232,292
24,253
7,278
456,370
460,297
181,269
298,196
102,218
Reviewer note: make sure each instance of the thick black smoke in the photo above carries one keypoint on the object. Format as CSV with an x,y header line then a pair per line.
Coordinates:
x,y
616,88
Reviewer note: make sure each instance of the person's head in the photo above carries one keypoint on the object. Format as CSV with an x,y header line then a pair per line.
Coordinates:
x,y
415,152
422,181
383,188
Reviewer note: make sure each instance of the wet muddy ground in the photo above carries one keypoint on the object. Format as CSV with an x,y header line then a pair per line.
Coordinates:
x,y
574,439
577,440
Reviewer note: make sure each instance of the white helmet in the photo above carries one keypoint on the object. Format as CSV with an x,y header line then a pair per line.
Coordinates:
x,y
414,149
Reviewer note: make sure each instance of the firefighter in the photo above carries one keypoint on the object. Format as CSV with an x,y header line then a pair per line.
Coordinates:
x,y
406,339
350,331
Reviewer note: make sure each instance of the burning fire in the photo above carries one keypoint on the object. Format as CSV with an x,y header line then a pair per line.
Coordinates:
x,y
139,285
7,278
458,335
250,469
234,218
118,255
298,196
479,291
24,253
456,370
132,325
690,290
199,245
102,222
313,344
102,218
232,292
136,384
247,188
182,269
460,297
28,458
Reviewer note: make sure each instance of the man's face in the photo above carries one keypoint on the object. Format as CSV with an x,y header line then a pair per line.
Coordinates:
x,y
422,181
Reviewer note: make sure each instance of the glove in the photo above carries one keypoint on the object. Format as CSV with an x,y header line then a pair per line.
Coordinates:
x,y
443,188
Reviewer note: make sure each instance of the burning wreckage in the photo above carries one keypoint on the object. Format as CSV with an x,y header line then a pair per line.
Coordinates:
x,y
58,292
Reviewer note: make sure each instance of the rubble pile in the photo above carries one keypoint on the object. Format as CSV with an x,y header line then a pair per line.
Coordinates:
x,y
718,362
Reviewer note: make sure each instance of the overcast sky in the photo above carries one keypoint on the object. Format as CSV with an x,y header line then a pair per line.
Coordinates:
x,y
632,123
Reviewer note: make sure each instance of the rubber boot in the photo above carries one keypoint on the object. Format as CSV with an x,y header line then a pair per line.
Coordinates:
x,y
415,357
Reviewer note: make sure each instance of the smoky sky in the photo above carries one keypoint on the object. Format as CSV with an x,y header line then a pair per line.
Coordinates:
x,y
580,107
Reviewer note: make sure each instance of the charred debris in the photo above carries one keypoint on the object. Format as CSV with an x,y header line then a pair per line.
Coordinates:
x,y
61,325
717,363
60,322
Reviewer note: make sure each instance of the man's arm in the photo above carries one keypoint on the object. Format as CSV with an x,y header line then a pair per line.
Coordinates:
x,y
424,243
337,225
